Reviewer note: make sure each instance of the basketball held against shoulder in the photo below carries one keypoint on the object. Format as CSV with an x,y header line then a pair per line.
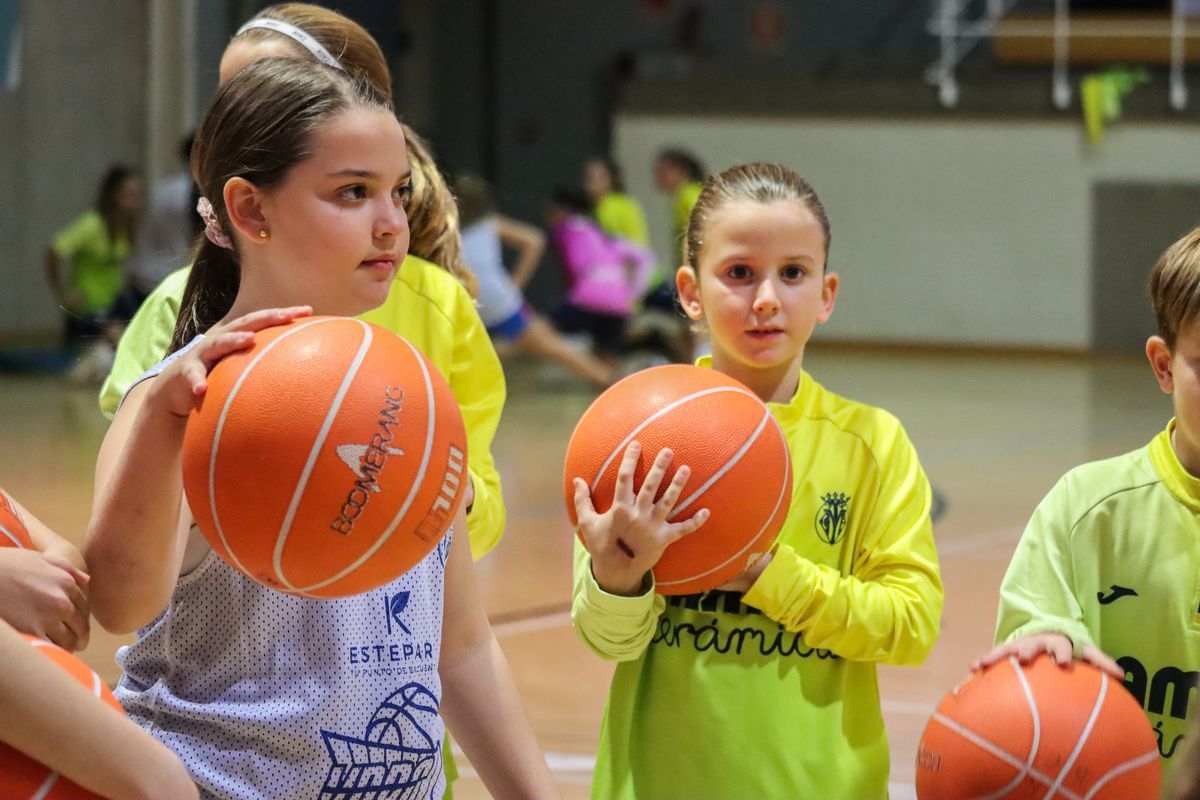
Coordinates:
x,y
326,460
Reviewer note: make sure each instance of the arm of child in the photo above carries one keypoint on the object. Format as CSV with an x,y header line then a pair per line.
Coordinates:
x,y
43,591
615,606
479,698
146,340
477,380
52,719
66,295
889,608
135,540
1039,611
528,241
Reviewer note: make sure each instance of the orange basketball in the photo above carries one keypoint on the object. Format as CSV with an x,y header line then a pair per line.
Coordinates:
x,y
20,775
1038,731
741,471
326,460
13,532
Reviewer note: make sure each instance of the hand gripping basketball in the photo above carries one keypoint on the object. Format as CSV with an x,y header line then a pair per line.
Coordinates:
x,y
738,468
628,540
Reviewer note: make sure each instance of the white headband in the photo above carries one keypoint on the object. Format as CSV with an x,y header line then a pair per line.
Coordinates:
x,y
295,34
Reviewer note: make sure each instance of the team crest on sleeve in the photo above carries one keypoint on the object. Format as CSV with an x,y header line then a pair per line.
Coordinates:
x,y
830,523
398,756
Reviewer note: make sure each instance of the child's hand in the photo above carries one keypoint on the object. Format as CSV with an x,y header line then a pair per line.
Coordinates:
x,y
42,595
1056,645
629,538
743,582
182,384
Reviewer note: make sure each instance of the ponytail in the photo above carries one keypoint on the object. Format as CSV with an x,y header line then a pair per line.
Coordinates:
x,y
211,288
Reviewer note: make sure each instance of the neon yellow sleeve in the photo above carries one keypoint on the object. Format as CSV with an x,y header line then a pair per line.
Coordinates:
x,y
477,380
1037,594
889,608
145,340
613,627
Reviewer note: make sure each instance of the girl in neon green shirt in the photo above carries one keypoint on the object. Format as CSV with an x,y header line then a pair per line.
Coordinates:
x,y
616,212
85,264
764,687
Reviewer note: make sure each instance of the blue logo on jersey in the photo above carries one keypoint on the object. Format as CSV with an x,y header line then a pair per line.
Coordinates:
x,y
831,520
443,547
394,607
398,756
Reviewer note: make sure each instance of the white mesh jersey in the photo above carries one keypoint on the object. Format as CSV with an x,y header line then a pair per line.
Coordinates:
x,y
267,695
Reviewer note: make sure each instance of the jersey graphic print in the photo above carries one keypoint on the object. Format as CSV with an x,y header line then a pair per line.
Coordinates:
x,y
1116,594
395,759
831,518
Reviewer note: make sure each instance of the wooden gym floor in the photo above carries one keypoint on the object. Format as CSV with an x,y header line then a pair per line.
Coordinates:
x,y
994,433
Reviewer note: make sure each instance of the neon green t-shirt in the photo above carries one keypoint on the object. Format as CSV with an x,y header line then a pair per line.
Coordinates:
x,y
774,693
1111,557
428,307
96,262
619,214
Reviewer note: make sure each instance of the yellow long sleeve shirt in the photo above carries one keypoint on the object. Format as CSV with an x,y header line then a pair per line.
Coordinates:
x,y
774,693
429,308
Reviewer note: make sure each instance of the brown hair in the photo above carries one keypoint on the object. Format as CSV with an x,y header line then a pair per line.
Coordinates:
x,y
432,213
1175,286
347,41
106,201
684,161
260,125
757,182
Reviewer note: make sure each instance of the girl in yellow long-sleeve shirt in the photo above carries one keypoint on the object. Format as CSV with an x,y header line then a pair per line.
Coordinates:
x,y
765,687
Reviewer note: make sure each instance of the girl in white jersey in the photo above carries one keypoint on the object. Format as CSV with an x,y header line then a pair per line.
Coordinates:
x,y
304,178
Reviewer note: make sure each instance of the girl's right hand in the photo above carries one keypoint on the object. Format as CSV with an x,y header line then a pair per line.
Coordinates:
x,y
181,385
626,541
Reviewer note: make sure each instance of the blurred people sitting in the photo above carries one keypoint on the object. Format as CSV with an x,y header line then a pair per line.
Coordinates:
x,y
85,266
604,275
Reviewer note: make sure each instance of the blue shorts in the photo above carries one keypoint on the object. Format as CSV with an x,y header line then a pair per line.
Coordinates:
x,y
512,327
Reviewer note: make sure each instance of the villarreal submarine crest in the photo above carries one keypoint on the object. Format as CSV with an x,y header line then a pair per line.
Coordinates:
x,y
830,523
398,757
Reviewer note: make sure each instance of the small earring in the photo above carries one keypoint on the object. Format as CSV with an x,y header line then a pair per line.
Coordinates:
x,y
262,234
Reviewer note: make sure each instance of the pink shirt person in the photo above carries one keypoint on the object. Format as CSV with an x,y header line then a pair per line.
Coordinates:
x,y
604,275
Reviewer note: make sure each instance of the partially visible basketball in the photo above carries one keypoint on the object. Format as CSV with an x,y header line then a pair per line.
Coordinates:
x,y
741,471
13,532
1038,731
21,776
326,460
